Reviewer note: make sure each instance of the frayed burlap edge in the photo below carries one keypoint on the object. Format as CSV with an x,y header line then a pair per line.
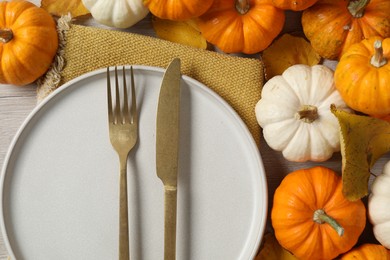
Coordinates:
x,y
51,80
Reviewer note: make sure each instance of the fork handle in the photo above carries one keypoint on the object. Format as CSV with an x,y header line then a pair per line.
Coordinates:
x,y
124,244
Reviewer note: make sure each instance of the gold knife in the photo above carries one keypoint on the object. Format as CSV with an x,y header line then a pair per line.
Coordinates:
x,y
167,146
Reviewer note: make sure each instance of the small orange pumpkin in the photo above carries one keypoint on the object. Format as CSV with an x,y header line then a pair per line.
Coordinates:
x,y
28,42
312,218
362,76
239,26
177,10
367,252
334,25
295,5
383,117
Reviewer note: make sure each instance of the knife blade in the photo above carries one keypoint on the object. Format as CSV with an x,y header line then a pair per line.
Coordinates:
x,y
167,146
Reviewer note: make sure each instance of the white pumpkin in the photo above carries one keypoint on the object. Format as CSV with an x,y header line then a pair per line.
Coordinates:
x,y
294,112
117,13
378,206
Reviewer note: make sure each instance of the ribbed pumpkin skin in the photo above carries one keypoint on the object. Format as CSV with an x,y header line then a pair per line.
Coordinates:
x,y
224,26
118,13
30,52
295,5
178,10
332,29
368,252
364,87
383,117
300,194
378,206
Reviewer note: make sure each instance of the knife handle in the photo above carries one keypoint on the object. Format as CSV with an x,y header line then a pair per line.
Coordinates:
x,y
170,223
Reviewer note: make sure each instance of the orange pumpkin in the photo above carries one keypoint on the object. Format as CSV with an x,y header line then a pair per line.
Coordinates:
x,y
177,10
295,5
28,42
362,76
239,26
312,218
368,252
383,117
334,25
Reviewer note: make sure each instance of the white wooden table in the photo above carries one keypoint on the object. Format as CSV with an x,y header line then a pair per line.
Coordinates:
x,y
17,102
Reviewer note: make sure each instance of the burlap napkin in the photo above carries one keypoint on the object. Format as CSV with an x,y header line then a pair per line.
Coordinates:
x,y
83,49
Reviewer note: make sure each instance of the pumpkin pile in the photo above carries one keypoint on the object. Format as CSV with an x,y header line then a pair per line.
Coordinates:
x,y
308,113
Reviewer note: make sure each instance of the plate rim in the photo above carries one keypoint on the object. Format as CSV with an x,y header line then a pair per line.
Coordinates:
x,y
33,113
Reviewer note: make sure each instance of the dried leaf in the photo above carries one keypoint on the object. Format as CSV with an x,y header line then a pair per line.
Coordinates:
x,y
272,250
184,32
364,140
61,7
286,51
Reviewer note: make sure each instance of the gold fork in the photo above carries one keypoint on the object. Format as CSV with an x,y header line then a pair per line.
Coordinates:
x,y
123,131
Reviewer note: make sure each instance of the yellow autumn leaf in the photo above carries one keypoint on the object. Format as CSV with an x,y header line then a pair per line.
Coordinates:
x,y
183,32
272,250
61,7
364,140
286,51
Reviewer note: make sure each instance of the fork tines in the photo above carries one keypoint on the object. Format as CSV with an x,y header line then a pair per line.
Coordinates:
x,y
115,113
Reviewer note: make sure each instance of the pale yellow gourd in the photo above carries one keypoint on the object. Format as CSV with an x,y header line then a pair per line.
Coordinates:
x,y
117,13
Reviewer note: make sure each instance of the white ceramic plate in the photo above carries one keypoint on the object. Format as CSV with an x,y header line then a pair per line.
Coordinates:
x,y
60,179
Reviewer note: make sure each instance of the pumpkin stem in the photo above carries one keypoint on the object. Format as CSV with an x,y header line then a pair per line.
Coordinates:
x,y
308,113
378,60
242,6
356,7
321,217
6,35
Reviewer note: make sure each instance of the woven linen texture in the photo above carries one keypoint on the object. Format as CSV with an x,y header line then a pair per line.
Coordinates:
x,y
237,80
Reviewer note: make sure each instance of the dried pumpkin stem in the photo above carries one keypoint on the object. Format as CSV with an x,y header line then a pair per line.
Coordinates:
x,y
242,6
6,35
308,113
378,60
321,217
357,7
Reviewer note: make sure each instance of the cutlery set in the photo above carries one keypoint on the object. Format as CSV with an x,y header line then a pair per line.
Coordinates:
x,y
123,132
